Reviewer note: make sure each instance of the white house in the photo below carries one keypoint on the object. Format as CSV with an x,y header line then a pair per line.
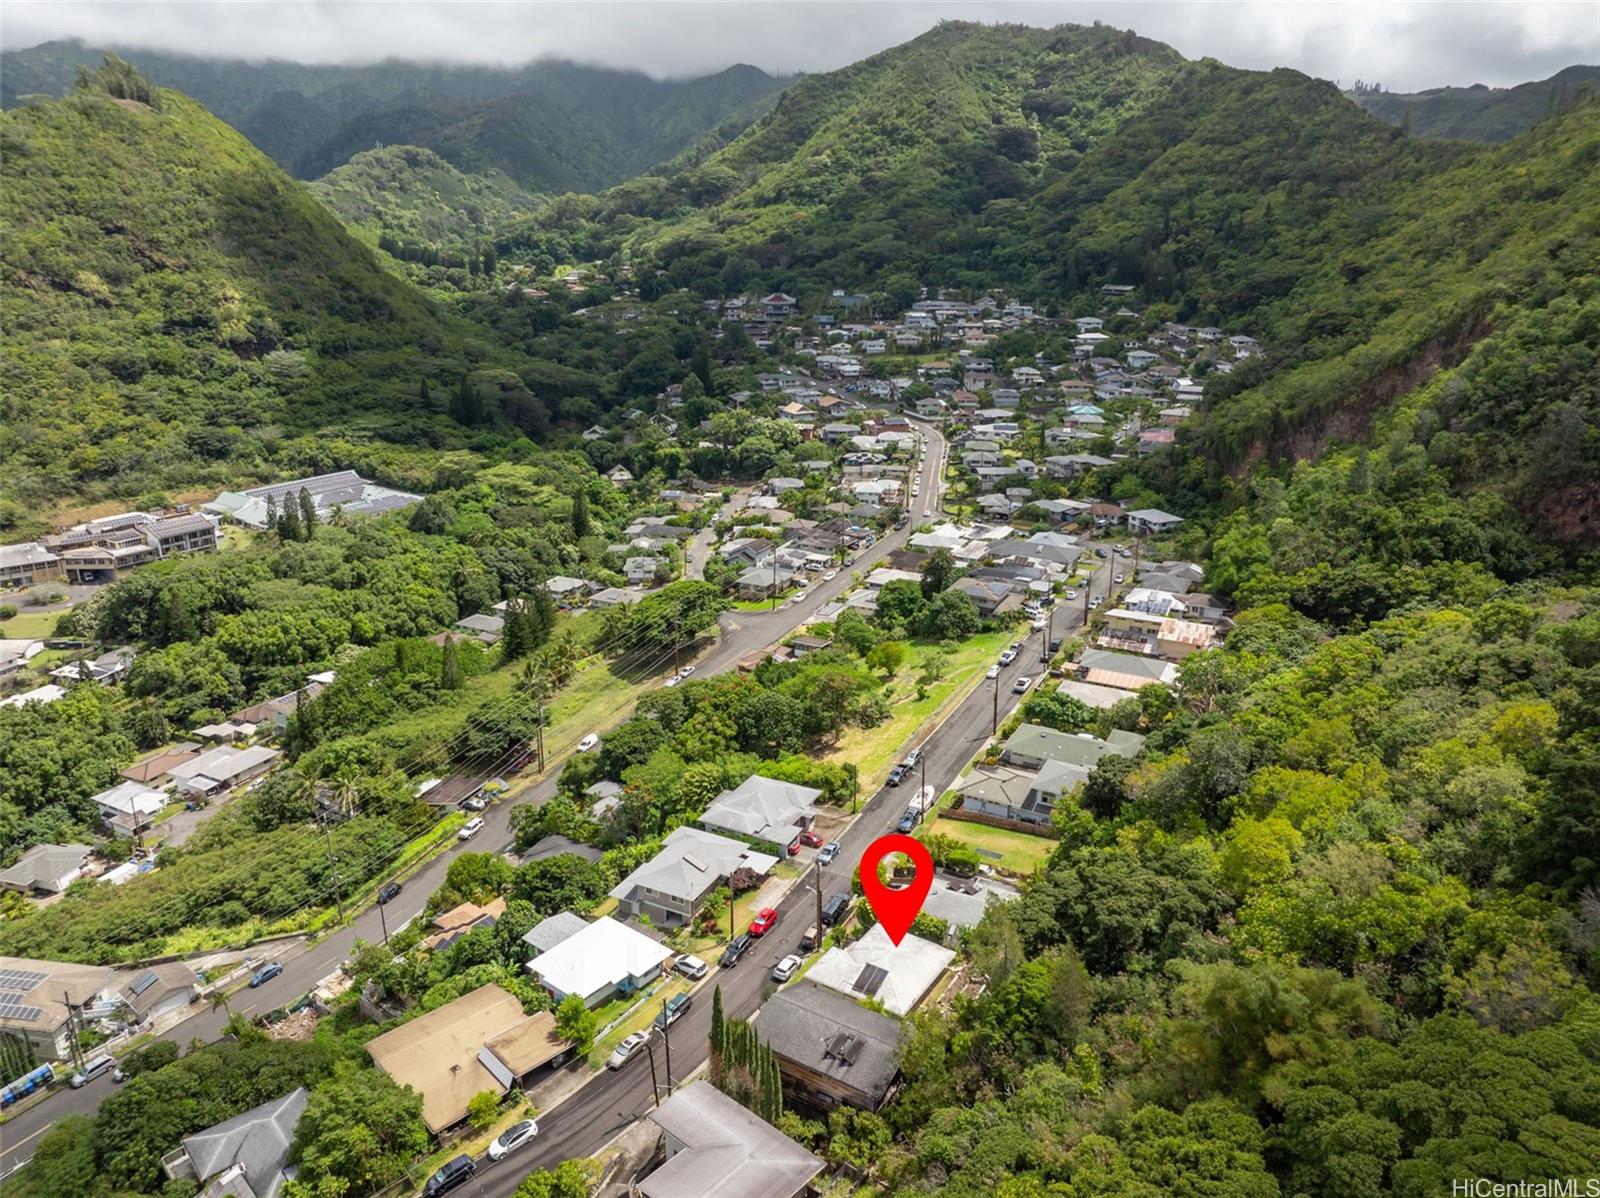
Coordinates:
x,y
764,809
605,958
897,975
1151,521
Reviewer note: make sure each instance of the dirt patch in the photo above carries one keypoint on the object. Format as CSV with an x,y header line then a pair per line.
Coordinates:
x,y
302,1025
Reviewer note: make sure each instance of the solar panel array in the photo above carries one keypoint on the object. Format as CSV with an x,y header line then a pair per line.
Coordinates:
x,y
871,979
10,1008
15,986
143,983
843,1047
20,979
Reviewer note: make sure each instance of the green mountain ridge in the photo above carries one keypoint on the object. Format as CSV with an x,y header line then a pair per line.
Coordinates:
x,y
411,193
1476,113
1364,259
551,125
178,311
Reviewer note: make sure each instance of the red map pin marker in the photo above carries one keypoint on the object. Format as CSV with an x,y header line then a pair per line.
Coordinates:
x,y
896,909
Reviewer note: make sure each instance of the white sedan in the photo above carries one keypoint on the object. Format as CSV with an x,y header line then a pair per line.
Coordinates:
x,y
830,576
470,829
786,968
589,743
512,1138
994,672
626,1050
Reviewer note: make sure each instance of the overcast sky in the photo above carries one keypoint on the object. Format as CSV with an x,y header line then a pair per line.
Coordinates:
x,y
1404,45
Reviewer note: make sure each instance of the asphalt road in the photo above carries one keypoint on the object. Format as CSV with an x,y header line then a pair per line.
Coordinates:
x,y
585,1122
304,966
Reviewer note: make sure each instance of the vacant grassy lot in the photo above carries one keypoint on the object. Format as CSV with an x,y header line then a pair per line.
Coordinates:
x,y
875,750
1016,851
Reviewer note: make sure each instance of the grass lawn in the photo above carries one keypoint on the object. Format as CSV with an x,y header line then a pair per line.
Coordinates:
x,y
1016,851
875,750
640,1018
763,604
744,910
31,626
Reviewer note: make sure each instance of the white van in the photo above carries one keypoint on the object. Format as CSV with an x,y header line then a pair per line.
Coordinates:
x,y
103,1063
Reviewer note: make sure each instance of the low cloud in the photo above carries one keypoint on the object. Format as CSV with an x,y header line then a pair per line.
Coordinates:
x,y
1405,46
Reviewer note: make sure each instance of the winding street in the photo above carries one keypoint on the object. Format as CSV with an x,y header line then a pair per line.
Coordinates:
x,y
741,633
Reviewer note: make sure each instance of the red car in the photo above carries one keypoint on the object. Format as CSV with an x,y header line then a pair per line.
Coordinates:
x,y
766,919
811,838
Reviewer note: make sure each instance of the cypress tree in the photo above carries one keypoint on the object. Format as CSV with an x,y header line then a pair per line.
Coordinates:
x,y
308,515
450,666
423,397
272,512
717,1031
580,515
289,522
544,606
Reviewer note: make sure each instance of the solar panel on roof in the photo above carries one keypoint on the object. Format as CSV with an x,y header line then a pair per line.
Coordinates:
x,y
15,1011
21,979
843,1047
143,983
870,980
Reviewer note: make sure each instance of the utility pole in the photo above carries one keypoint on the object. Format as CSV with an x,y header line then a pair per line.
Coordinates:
x,y
72,1029
819,900
666,1038
333,871
655,1086
677,639
774,581
383,921
922,792
1049,633
539,721
995,725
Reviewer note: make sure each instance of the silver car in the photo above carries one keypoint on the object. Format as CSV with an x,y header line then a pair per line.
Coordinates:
x,y
512,1138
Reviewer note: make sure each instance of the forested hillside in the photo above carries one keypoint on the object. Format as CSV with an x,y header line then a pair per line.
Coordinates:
x,y
1476,113
549,125
412,195
1366,258
178,311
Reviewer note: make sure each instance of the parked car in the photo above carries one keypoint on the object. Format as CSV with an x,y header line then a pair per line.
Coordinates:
x,y
475,803
737,947
1118,579
1008,656
829,852
388,892
786,968
912,758
800,596
674,1009
830,576
265,974
766,919
673,681
686,671
1022,684
908,821
691,966
630,1047
589,743
1041,624
811,939
96,1066
450,1174
811,838
1071,594
834,909
1099,552
471,828
897,775
1055,644
512,1138
994,672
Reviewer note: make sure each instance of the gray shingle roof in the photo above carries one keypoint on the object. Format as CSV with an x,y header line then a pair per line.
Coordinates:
x,y
258,1140
832,1035
548,933
726,1152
